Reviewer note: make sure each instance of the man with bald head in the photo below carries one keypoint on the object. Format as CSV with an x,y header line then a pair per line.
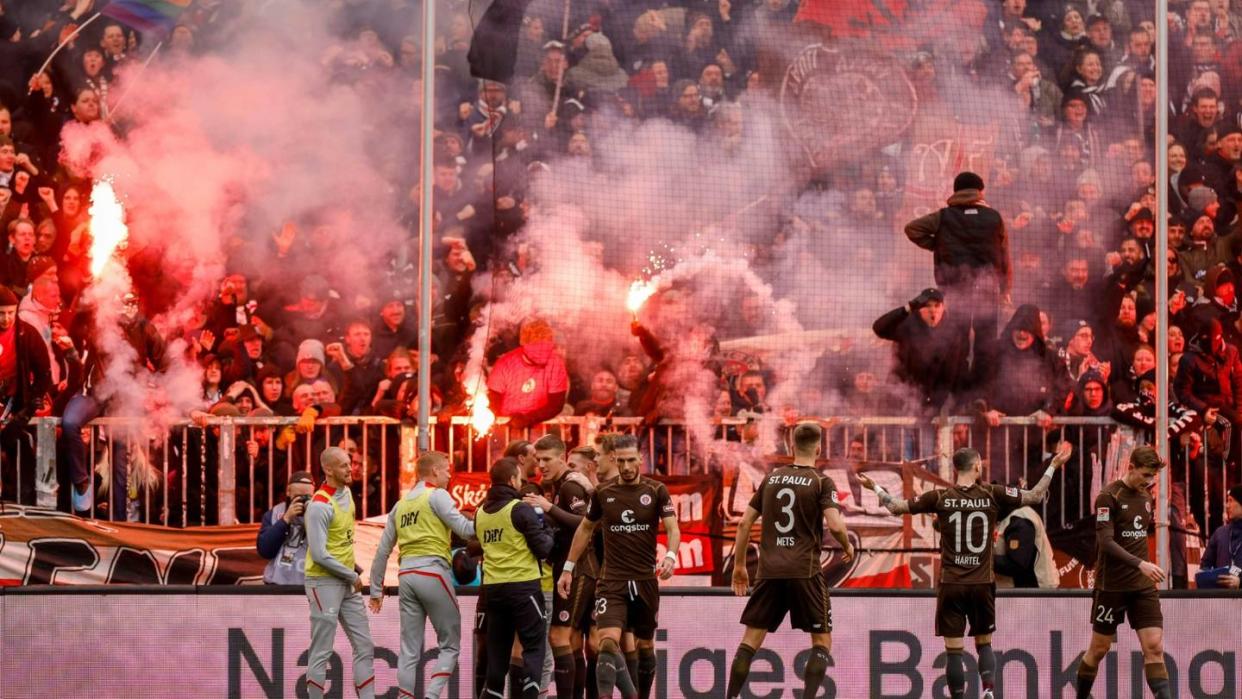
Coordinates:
x,y
333,581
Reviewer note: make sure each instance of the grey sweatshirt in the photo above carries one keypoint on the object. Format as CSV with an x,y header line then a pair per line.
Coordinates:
x,y
443,506
318,516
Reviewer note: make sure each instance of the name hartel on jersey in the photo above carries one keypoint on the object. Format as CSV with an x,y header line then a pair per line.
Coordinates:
x,y
965,561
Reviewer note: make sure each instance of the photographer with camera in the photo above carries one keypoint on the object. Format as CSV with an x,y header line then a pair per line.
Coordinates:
x,y
282,536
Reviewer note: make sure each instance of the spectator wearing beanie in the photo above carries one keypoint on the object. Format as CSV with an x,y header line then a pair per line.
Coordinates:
x,y
309,366
930,346
1224,547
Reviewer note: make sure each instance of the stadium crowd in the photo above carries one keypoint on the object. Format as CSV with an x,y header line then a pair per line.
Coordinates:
x,y
1072,92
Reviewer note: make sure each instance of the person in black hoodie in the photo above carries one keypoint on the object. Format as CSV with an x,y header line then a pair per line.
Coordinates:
x,y
930,349
515,540
970,258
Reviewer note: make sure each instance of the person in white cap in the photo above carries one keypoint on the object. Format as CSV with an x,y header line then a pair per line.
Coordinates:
x,y
333,581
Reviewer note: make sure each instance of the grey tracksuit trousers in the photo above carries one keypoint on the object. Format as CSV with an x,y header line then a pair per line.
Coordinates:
x,y
426,592
333,600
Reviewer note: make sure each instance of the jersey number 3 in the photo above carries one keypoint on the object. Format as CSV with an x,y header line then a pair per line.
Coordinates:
x,y
787,524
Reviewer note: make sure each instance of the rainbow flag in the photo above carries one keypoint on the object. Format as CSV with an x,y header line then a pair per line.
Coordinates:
x,y
146,15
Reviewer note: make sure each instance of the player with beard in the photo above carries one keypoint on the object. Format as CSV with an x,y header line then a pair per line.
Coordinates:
x,y
794,502
627,593
968,513
571,492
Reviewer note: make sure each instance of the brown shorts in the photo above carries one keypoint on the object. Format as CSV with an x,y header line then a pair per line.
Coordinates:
x,y
958,603
575,610
804,599
1141,608
628,604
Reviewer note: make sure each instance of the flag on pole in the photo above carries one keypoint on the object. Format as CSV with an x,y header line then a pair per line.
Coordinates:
x,y
493,48
146,15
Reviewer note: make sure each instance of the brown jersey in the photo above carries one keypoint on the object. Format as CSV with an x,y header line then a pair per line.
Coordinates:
x,y
968,518
792,500
631,516
572,494
1124,515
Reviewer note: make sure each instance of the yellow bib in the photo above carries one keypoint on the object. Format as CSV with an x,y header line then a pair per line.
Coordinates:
x,y
419,531
340,544
506,557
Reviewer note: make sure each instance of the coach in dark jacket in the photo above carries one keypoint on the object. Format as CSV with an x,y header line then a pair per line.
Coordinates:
x,y
930,346
515,541
970,257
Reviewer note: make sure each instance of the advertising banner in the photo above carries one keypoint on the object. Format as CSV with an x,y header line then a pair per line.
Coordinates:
x,y
247,645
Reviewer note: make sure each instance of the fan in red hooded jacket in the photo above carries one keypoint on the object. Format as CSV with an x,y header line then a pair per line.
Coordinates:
x,y
528,384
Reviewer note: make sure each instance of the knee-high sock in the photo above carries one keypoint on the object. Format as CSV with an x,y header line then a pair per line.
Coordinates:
x,y
987,665
563,671
1158,679
739,670
580,674
1086,678
956,673
611,671
816,667
592,681
646,671
631,664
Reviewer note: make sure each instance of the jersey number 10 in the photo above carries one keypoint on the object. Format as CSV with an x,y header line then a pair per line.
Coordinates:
x,y
964,528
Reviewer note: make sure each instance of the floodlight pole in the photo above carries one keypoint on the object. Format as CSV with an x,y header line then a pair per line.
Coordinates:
x,y
426,225
1162,282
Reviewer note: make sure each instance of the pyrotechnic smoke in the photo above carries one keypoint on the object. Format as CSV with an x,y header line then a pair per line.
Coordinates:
x,y
218,152
715,218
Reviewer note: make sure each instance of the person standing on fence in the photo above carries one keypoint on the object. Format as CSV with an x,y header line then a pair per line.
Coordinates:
x,y
795,502
966,592
970,258
25,379
515,540
333,582
1125,581
420,525
630,511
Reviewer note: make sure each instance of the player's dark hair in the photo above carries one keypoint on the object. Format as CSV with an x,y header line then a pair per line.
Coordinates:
x,y
504,470
428,461
550,442
1146,457
516,448
625,441
964,459
806,437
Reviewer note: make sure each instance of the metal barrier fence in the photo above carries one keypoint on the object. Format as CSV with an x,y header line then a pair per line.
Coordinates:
x,y
227,470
